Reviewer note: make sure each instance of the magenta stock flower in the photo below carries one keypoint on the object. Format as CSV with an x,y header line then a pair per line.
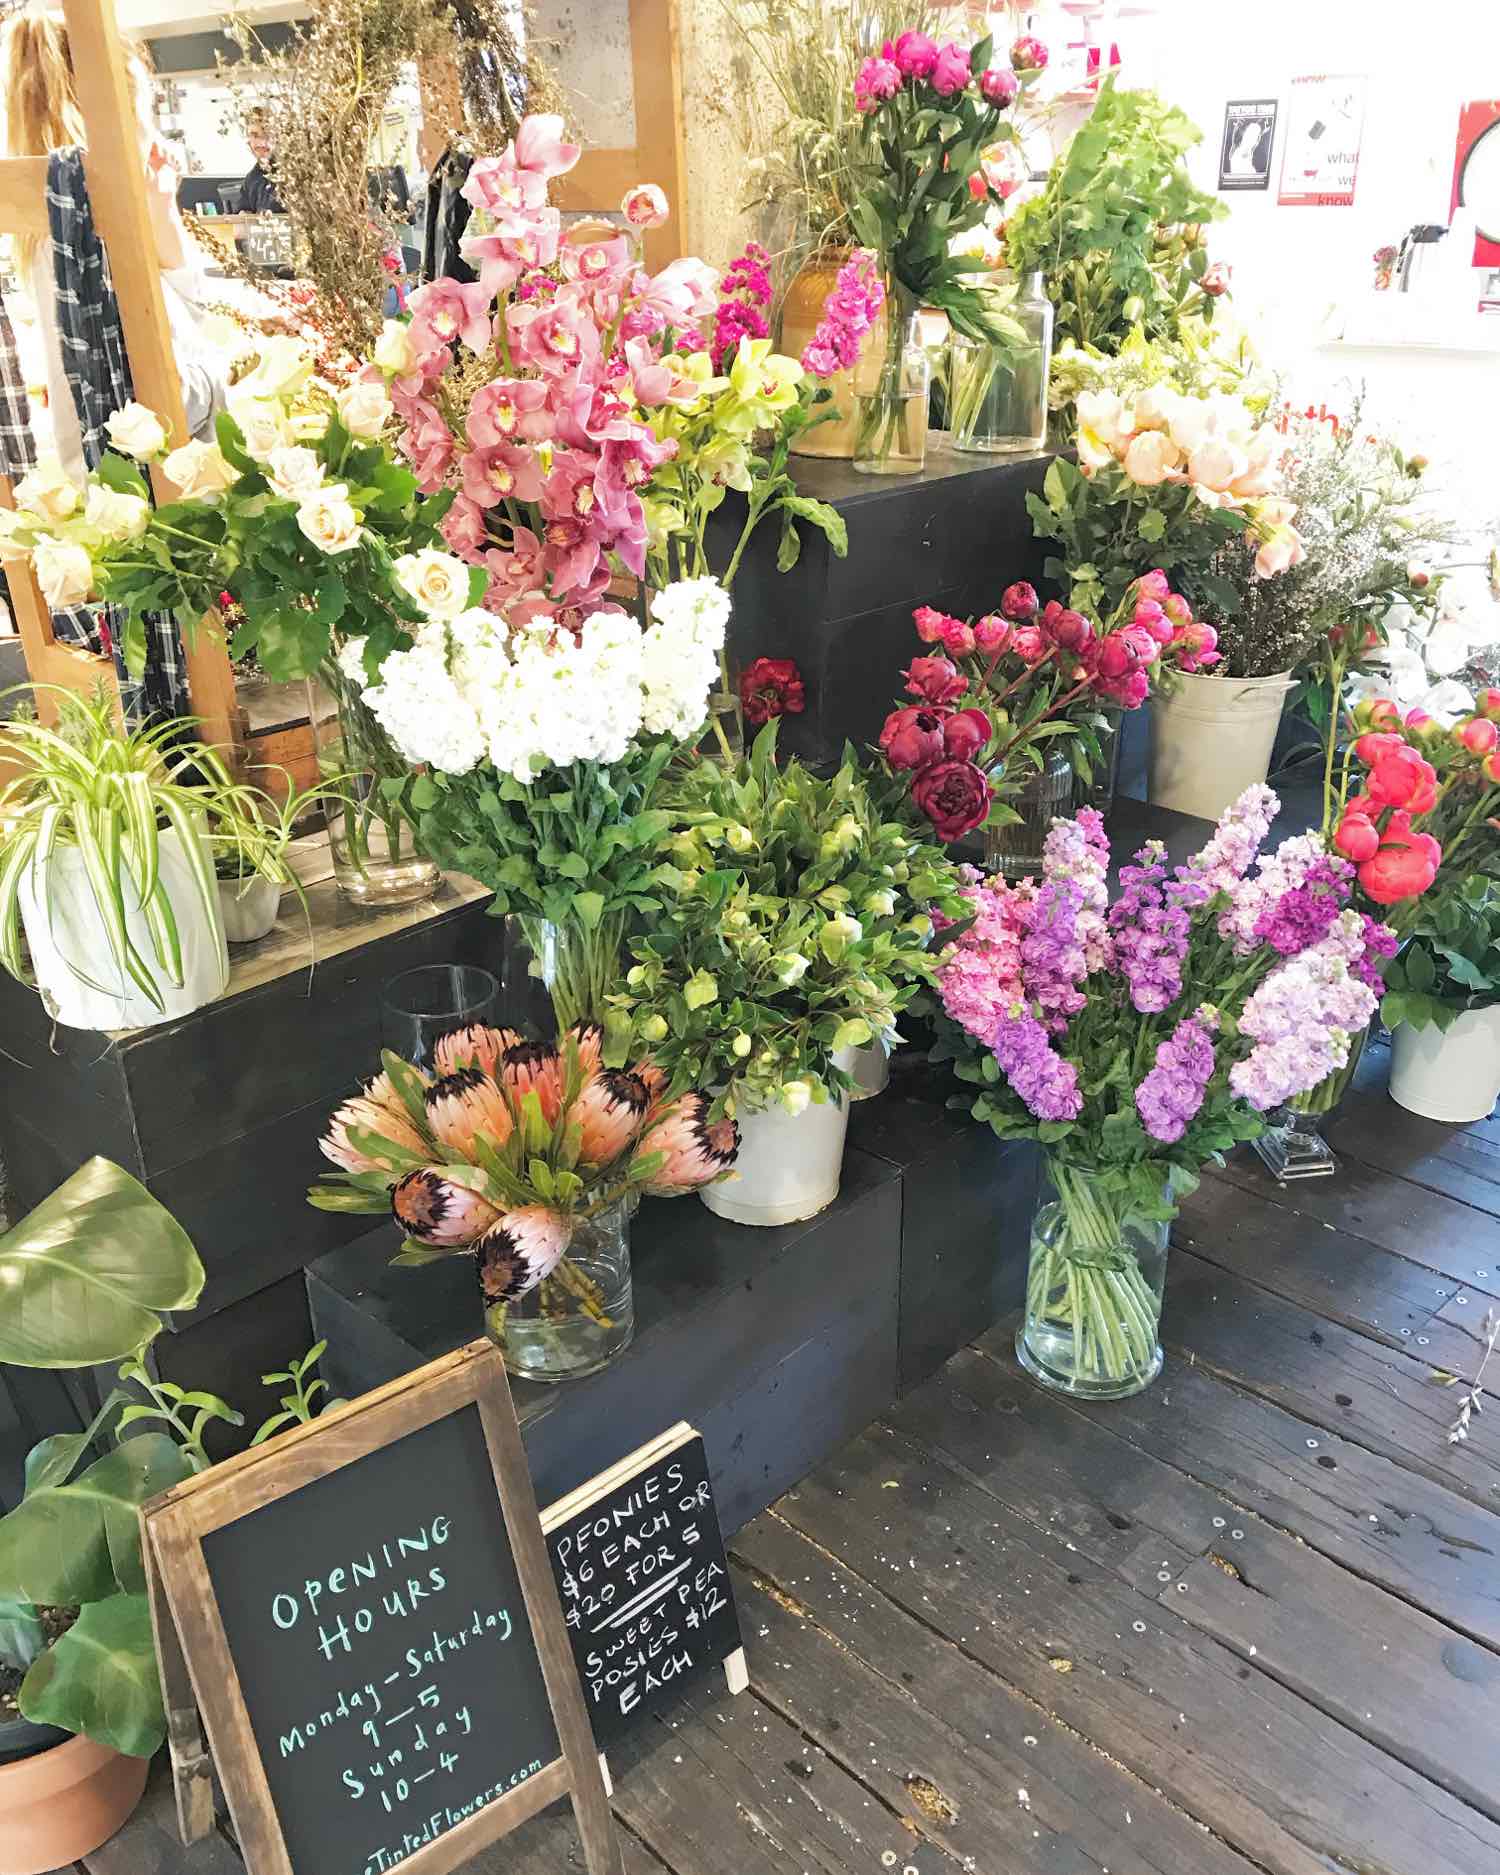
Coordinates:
x,y
849,313
1047,1083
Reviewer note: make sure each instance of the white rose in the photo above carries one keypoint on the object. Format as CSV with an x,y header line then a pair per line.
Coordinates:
x,y
116,516
199,471
285,364
137,431
365,409
64,572
393,349
262,423
294,472
438,582
328,519
47,491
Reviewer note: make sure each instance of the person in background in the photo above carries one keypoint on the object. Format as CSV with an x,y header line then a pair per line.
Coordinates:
x,y
42,114
258,192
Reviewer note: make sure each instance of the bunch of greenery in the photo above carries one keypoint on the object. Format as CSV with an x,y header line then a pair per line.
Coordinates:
x,y
796,925
85,1276
1450,962
1116,231
795,63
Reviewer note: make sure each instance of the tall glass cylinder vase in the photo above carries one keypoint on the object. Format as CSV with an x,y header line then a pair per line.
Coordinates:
x,y
1293,1146
1093,1289
554,975
891,386
1097,787
375,856
575,1321
997,394
1047,794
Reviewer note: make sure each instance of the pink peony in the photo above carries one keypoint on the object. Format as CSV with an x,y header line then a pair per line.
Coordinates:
x,y
991,634
930,623
958,637
934,680
1028,54
999,86
950,71
876,80
914,53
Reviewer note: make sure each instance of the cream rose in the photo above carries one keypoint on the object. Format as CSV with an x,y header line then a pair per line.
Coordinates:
x,y
284,365
1215,464
1150,458
64,572
437,582
393,349
328,519
262,423
137,431
47,491
294,472
116,516
199,471
1103,415
365,409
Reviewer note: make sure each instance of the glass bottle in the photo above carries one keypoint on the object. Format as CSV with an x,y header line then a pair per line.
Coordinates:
x,y
891,386
997,394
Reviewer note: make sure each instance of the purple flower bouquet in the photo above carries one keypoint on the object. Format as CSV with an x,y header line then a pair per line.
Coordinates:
x,y
1139,1040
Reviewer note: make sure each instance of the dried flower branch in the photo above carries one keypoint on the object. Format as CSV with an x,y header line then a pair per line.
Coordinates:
x,y
1473,1401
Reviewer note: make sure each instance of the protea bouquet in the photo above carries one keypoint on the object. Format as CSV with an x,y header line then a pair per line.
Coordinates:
x,y
1139,1040
520,1153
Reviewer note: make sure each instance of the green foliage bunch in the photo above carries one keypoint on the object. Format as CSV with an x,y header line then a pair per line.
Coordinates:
x,y
1450,961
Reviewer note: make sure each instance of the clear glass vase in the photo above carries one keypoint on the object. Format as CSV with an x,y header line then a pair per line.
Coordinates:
x,y
554,975
1097,788
1093,1289
891,386
1293,1146
1047,793
575,1321
376,860
997,394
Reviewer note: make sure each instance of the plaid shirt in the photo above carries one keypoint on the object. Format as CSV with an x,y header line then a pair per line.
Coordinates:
x,y
17,449
98,374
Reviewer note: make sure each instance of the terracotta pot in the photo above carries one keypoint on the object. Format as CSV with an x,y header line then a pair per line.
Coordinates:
x,y
62,1804
800,314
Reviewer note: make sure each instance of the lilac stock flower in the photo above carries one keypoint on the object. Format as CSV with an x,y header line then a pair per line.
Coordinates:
x,y
1285,869
1233,844
1303,1017
1171,1094
1380,945
1150,936
1047,1083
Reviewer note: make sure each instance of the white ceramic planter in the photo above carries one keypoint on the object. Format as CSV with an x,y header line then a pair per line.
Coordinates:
x,y
81,984
1452,1074
871,1071
1212,739
248,908
788,1168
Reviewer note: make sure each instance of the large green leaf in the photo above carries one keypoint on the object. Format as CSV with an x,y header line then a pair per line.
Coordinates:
x,y
69,1543
21,1633
82,1276
100,1679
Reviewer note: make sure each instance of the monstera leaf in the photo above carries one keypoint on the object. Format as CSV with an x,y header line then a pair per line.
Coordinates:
x,y
100,1678
66,1544
83,1275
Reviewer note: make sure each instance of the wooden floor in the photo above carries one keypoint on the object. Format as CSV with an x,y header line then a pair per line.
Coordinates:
x,y
1248,1621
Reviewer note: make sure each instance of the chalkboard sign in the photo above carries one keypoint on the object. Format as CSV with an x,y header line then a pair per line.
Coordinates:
x,y
373,1636
639,1562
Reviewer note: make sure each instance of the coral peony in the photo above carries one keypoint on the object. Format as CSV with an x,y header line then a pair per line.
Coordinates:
x,y
1401,778
1405,864
1357,837
954,795
1479,735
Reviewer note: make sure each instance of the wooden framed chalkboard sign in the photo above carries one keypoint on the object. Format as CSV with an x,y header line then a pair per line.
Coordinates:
x,y
365,1610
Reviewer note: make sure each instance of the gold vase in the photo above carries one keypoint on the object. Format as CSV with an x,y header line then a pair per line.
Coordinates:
x,y
801,313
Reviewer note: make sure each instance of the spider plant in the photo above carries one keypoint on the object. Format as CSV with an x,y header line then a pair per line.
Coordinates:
x,y
110,793
252,829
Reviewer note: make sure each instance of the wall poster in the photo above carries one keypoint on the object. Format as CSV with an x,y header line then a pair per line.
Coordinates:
x,y
1249,134
1320,158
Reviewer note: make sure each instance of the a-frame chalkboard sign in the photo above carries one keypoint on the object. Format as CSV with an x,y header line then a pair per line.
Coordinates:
x,y
366,1615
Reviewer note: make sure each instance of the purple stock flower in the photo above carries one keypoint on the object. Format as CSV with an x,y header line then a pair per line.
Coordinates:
x,y
1171,1094
1150,936
1304,915
1047,1083
1380,945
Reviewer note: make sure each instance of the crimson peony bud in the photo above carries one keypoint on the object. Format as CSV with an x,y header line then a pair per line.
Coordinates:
x,y
935,680
1028,644
1019,602
955,797
991,634
911,738
1072,631
998,86
965,733
958,637
1418,575
1215,279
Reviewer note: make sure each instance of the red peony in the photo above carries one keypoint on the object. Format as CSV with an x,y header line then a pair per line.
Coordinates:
x,y
1071,631
1405,864
1216,279
954,796
935,680
1019,602
913,737
965,733
771,687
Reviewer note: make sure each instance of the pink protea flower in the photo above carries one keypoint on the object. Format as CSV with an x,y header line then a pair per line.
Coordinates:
x,y
645,206
437,1210
588,1039
491,476
698,1150
508,410
610,1113
534,1068
364,1115
446,309
521,1249
539,147
477,1046
465,1106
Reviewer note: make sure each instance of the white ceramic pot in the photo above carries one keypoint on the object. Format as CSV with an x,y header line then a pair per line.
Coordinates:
x,y
81,984
788,1168
1212,738
1451,1074
248,907
871,1071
